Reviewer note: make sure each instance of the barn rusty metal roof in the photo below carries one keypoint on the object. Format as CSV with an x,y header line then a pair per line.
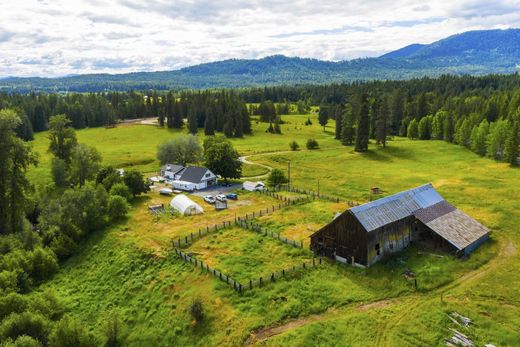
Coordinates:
x,y
378,213
455,226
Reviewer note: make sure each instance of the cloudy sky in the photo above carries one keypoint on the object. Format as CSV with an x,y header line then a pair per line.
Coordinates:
x,y
55,38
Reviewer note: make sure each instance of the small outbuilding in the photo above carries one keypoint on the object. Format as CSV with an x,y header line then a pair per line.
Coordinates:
x,y
253,186
366,233
185,205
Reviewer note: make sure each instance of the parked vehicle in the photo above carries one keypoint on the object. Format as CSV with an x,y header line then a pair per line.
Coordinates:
x,y
232,196
165,191
221,197
209,199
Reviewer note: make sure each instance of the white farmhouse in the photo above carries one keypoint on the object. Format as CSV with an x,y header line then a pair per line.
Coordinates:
x,y
189,178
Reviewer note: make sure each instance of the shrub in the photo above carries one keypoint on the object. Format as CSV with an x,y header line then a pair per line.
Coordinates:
x,y
277,177
121,189
44,264
69,331
196,311
12,303
23,341
312,144
117,207
294,146
25,323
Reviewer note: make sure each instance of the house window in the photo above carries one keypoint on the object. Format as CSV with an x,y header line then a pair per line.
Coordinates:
x,y
208,174
378,249
391,246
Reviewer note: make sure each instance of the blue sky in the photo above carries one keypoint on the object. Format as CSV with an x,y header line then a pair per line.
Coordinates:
x,y
56,38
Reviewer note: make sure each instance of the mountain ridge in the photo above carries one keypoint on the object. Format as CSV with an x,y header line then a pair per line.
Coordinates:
x,y
473,52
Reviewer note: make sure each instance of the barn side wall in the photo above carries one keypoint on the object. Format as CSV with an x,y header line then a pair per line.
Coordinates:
x,y
344,237
388,239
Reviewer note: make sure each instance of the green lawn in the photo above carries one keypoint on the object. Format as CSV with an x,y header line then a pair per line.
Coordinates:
x,y
119,267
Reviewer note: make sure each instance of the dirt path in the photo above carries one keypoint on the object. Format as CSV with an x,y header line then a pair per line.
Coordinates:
x,y
408,304
245,159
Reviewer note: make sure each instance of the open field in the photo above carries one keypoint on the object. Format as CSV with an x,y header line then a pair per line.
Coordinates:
x,y
246,255
135,146
127,265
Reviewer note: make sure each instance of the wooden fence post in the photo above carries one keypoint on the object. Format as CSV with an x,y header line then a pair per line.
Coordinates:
x,y
260,281
272,277
250,284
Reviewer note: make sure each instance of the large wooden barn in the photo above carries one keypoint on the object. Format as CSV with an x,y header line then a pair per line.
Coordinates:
x,y
364,234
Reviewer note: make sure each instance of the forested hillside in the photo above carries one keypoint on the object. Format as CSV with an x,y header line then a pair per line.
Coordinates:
x,y
474,52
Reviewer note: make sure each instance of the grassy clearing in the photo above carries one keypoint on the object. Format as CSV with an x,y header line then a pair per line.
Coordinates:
x,y
298,222
246,255
251,170
126,266
135,146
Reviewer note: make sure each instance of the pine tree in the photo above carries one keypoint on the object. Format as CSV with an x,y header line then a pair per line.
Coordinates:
x,y
323,115
363,127
512,143
228,128
192,121
382,123
177,115
339,123
448,128
347,130
424,128
209,124
169,110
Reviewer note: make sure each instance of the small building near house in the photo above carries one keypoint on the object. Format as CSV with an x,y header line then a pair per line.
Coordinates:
x,y
253,186
366,233
185,205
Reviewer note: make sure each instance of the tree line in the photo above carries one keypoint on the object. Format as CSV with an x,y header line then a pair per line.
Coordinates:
x,y
39,229
214,111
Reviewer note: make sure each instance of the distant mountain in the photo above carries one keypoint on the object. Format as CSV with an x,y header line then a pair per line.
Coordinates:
x,y
473,52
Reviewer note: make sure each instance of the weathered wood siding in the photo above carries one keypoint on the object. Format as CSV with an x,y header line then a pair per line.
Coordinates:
x,y
344,237
388,239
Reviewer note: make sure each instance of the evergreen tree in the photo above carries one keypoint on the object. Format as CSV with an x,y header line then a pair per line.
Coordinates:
x,y
177,115
192,121
479,136
347,130
15,158
363,126
169,110
396,111
339,123
382,123
209,124
512,144
496,140
422,106
448,128
323,115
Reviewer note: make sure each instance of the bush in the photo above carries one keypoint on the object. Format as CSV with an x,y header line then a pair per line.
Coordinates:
x,y
44,264
196,311
25,323
69,331
312,144
294,146
12,303
121,189
277,177
117,207
23,341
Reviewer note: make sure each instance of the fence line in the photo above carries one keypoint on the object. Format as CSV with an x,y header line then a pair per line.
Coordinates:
x,y
256,283
313,194
188,239
205,267
257,228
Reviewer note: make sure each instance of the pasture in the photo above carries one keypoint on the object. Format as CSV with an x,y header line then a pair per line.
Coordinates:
x,y
128,266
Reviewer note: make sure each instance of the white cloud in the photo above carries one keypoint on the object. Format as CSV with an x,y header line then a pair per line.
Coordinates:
x,y
60,37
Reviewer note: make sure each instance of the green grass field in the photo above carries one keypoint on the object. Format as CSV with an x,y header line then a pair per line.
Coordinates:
x,y
329,305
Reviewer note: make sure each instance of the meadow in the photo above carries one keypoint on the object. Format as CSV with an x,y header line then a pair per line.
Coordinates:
x,y
129,267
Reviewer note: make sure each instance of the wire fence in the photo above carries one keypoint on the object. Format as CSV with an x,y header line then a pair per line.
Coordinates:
x,y
252,283
188,239
257,228
313,194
